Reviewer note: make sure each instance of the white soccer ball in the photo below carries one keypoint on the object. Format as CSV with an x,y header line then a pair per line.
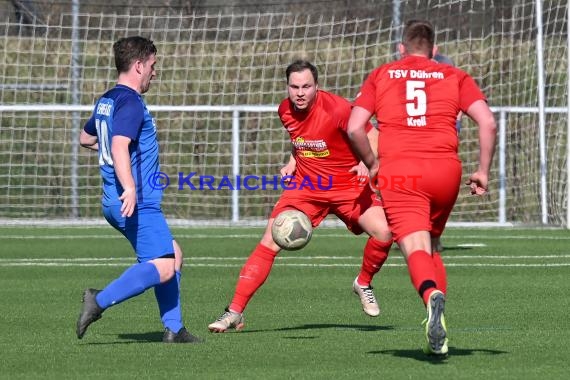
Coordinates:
x,y
291,230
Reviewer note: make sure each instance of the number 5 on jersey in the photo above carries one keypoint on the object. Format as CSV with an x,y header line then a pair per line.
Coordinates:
x,y
417,103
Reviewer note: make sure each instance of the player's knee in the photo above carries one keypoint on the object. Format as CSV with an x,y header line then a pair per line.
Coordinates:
x,y
379,230
267,240
167,273
165,268
270,243
381,234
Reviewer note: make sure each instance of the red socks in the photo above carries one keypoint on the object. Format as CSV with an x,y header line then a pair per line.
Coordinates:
x,y
422,273
375,254
440,273
425,271
253,274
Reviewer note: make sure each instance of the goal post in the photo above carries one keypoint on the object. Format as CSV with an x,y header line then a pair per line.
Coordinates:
x,y
221,77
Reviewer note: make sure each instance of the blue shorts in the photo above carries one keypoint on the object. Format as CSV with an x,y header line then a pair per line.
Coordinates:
x,y
146,230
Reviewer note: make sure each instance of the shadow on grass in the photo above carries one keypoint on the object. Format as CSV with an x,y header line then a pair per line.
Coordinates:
x,y
417,354
300,337
156,337
148,337
129,338
450,248
447,249
320,326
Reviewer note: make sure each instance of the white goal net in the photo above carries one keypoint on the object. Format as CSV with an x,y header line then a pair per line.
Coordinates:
x,y
221,77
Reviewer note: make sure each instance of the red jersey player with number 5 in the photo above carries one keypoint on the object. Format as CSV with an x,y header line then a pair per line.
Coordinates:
x,y
416,101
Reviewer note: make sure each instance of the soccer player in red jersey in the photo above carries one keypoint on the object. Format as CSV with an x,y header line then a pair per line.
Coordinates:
x,y
416,101
316,121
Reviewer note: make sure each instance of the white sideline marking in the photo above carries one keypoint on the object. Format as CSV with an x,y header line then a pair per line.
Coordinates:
x,y
347,235
222,262
471,245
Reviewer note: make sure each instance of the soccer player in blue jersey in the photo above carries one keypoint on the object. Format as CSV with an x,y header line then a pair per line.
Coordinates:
x,y
123,132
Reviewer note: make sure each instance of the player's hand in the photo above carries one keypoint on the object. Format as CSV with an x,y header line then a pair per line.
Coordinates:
x,y
373,174
478,183
361,172
288,171
129,199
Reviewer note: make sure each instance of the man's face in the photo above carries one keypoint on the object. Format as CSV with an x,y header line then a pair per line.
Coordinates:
x,y
148,73
302,89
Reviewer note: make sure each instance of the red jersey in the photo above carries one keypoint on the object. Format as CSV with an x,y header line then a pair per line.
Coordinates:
x,y
416,101
320,143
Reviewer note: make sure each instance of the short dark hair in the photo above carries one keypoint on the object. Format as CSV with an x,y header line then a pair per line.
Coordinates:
x,y
419,37
300,65
130,49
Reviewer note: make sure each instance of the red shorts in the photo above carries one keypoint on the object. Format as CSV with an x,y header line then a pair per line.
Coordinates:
x,y
419,194
347,205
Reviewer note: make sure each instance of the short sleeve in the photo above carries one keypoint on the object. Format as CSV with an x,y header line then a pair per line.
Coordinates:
x,y
90,127
469,93
366,97
128,118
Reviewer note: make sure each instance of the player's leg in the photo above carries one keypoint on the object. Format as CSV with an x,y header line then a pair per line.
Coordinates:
x,y
407,206
416,247
155,265
440,272
152,241
443,189
408,211
251,277
374,256
368,216
373,221
442,205
135,280
260,262
168,298
132,282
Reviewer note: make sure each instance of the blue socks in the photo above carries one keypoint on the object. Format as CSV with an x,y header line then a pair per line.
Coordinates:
x,y
168,298
138,278
134,281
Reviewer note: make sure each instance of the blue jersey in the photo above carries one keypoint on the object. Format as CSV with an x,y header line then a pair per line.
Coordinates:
x,y
121,111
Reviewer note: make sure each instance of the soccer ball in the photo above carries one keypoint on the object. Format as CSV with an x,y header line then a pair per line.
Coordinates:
x,y
291,230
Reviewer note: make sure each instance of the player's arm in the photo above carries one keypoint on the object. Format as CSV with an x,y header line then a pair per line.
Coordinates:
x,y
360,170
122,164
356,130
359,140
88,141
480,112
373,140
290,166
88,137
